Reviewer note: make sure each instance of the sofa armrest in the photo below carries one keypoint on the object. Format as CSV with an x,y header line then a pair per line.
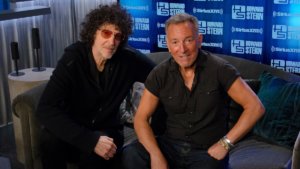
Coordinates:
x,y
24,106
296,154
30,98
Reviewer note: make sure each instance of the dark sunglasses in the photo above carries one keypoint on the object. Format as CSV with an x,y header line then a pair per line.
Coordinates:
x,y
107,34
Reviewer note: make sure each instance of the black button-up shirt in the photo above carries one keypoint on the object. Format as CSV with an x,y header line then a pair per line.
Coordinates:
x,y
197,116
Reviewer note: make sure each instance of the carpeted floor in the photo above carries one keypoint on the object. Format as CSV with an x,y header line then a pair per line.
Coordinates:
x,y
8,146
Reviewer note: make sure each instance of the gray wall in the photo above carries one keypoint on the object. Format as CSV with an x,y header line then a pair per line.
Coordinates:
x,y
57,30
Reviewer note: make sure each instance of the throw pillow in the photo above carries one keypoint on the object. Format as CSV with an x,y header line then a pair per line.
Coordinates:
x,y
129,105
281,122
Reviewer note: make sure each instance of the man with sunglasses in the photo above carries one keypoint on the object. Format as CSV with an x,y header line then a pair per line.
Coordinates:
x,y
79,109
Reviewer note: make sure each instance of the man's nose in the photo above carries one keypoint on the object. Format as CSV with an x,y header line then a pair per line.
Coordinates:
x,y
182,47
112,40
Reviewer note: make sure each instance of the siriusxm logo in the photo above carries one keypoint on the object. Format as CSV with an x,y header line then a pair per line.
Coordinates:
x,y
210,28
161,41
286,2
138,8
208,0
167,9
212,44
285,50
160,25
281,1
144,50
285,32
141,24
285,14
139,39
243,12
208,11
246,47
247,30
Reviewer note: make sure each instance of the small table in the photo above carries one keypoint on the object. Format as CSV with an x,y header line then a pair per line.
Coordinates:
x,y
18,85
30,79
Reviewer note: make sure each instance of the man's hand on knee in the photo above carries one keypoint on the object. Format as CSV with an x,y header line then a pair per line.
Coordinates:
x,y
105,147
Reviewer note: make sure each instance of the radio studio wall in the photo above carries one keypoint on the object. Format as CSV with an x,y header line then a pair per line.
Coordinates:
x,y
266,31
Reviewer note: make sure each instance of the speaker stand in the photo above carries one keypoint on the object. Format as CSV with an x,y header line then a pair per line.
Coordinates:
x,y
38,69
15,73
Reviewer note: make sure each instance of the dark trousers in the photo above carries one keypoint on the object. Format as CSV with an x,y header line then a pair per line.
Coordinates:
x,y
180,155
56,154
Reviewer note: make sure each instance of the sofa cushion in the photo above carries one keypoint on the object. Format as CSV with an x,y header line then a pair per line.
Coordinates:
x,y
281,122
129,105
256,154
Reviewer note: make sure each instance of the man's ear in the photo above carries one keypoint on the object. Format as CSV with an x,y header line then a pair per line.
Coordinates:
x,y
200,39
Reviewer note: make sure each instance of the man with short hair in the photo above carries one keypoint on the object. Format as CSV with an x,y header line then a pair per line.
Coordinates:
x,y
193,87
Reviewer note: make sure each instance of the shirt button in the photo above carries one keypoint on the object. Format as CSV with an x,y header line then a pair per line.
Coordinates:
x,y
100,109
190,125
191,112
93,121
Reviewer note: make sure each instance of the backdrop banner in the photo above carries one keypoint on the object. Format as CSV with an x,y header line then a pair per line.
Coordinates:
x,y
4,5
263,31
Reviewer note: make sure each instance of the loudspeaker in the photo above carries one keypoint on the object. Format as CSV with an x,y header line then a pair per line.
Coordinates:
x,y
14,50
35,38
15,56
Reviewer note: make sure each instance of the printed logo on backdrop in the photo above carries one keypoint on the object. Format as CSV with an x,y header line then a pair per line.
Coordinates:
x,y
286,1
137,8
285,14
286,65
207,11
279,31
208,0
285,50
286,32
212,44
161,41
242,12
247,30
142,24
139,39
278,63
167,9
160,25
246,47
210,28
281,1
144,50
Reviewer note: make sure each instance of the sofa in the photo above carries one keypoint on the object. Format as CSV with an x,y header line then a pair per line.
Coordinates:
x,y
254,151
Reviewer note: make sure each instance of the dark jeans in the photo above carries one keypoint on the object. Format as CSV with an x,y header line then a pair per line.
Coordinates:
x,y
56,154
180,155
